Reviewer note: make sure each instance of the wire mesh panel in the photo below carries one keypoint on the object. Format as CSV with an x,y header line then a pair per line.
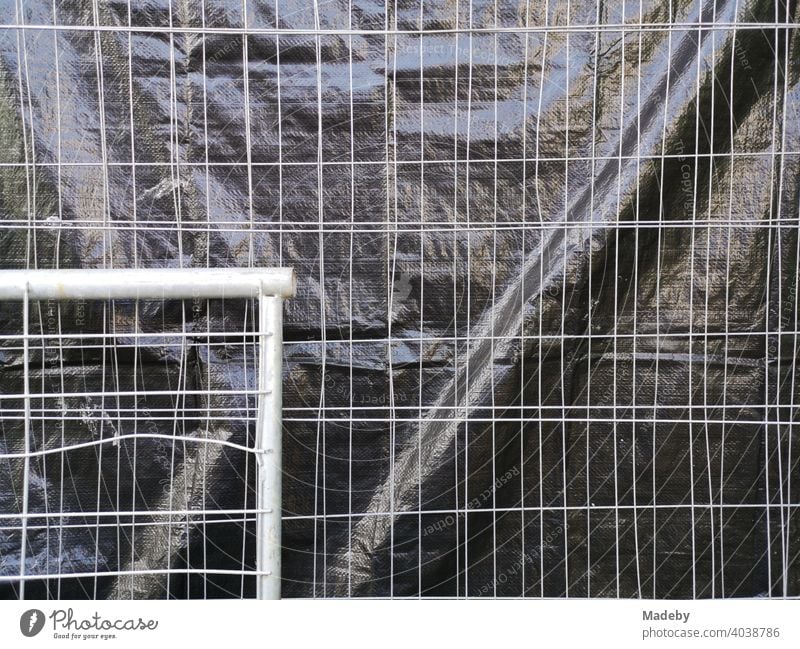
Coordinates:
x,y
545,340
125,459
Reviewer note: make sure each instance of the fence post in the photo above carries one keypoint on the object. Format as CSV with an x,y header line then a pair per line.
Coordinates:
x,y
268,443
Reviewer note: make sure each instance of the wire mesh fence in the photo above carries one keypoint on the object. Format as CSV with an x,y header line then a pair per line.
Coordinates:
x,y
147,428
545,338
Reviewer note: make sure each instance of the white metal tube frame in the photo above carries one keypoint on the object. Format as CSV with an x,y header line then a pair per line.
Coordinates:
x,y
269,285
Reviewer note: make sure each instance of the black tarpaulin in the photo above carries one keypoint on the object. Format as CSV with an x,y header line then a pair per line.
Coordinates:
x,y
544,341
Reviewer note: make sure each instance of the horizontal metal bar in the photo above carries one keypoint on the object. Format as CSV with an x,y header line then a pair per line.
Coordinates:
x,y
115,412
134,514
149,283
124,573
527,508
115,439
195,514
61,528
204,334
578,27
108,394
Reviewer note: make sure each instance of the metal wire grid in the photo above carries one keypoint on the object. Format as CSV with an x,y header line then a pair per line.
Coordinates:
x,y
567,530
153,431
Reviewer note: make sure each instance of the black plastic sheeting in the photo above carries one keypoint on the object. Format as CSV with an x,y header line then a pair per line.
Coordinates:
x,y
544,341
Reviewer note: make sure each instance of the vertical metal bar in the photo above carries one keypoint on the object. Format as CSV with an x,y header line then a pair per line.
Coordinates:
x,y
268,443
27,432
